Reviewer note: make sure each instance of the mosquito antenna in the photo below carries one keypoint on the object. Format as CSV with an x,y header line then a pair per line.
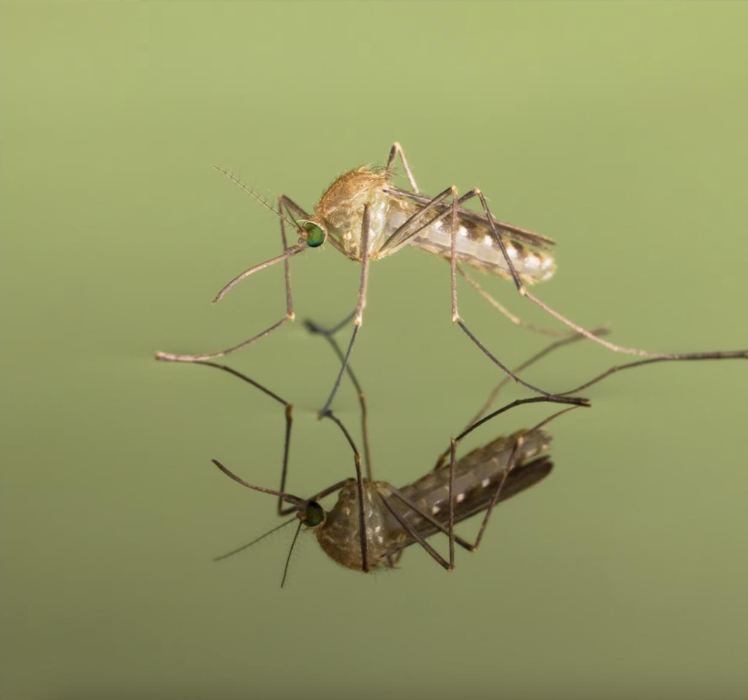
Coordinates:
x,y
255,541
288,559
255,195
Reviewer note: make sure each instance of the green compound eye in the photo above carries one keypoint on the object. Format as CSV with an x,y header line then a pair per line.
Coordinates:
x,y
315,235
314,515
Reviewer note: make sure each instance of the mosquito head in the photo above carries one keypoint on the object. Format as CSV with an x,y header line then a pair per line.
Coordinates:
x,y
313,233
312,514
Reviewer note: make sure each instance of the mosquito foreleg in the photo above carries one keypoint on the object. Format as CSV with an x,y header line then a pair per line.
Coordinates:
x,y
358,317
313,328
290,206
360,488
414,534
289,422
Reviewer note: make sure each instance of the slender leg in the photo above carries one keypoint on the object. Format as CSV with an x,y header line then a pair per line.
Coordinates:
x,y
428,516
359,313
329,332
455,310
360,484
449,530
448,565
418,222
299,508
522,289
568,340
401,236
718,355
289,423
503,310
694,357
397,150
510,466
291,208
313,328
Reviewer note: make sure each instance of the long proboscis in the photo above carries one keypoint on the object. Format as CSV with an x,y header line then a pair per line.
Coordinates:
x,y
289,253
289,498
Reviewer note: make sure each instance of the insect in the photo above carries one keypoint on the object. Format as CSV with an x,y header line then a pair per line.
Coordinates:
x,y
365,217
393,519
375,535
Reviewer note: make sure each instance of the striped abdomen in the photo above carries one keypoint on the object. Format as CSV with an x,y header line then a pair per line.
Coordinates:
x,y
476,477
477,247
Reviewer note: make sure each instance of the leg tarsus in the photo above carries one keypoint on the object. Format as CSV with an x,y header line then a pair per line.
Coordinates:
x,y
503,310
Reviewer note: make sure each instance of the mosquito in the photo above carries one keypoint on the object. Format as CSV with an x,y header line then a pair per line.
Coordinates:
x,y
452,492
391,519
365,217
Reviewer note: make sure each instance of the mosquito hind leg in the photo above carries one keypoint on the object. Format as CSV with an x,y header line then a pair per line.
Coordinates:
x,y
449,530
456,318
523,291
360,488
397,150
516,320
417,222
511,462
313,328
291,208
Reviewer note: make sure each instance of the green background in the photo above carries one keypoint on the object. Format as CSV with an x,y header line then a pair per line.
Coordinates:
x,y
619,130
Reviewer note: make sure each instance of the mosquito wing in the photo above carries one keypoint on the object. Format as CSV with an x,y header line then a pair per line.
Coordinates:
x,y
513,233
521,478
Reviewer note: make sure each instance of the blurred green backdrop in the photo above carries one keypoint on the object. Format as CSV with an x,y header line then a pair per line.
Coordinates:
x,y
619,130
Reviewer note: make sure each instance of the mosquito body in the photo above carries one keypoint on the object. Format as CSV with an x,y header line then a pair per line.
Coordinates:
x,y
365,217
375,535
372,522
340,214
393,515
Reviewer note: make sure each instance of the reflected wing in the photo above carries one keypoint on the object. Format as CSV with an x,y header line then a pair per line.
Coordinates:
x,y
521,478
